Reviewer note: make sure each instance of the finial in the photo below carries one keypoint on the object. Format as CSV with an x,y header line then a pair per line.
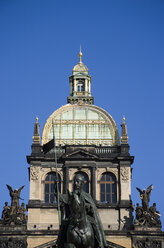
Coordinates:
x,y
80,55
36,137
124,135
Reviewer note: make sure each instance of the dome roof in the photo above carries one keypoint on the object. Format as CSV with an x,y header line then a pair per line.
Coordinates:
x,y
80,67
81,124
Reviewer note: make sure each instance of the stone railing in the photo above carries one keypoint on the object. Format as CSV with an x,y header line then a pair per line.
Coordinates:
x,y
106,150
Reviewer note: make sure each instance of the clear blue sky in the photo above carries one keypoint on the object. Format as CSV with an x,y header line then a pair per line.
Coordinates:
x,y
123,47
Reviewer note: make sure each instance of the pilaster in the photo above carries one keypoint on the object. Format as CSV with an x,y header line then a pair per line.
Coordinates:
x,y
65,179
93,182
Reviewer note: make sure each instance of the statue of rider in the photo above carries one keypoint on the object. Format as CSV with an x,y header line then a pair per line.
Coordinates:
x,y
91,211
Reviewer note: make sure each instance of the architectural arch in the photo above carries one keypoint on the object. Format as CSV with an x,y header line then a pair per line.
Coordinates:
x,y
108,188
49,182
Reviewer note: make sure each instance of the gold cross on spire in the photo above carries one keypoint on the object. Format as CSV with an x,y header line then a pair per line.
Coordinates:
x,y
80,55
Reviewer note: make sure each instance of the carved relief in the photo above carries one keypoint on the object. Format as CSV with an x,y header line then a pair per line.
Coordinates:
x,y
13,243
147,244
124,174
34,173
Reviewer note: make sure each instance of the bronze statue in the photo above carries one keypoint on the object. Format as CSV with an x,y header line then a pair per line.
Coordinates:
x,y
145,196
15,196
81,225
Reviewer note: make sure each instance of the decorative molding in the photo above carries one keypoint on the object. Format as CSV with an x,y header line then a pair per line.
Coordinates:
x,y
34,173
147,244
124,174
83,142
68,122
14,243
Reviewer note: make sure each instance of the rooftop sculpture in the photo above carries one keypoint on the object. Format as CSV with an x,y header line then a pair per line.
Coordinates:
x,y
147,216
14,214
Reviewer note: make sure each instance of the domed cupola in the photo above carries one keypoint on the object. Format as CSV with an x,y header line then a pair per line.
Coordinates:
x,y
80,84
80,122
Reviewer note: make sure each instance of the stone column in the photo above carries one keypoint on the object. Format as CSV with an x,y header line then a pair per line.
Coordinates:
x,y
74,87
65,179
93,183
86,82
71,88
89,86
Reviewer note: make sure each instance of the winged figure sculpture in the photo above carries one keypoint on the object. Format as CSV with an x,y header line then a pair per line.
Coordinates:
x,y
15,196
145,196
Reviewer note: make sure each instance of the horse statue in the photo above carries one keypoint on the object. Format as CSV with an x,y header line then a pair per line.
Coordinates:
x,y
81,225
80,232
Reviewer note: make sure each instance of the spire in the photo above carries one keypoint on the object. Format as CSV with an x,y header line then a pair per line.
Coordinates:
x,y
36,137
80,84
80,56
124,135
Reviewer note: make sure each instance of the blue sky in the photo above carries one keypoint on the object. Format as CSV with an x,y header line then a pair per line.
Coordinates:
x,y
122,45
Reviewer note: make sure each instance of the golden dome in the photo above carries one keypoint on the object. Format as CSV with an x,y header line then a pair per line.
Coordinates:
x,y
80,67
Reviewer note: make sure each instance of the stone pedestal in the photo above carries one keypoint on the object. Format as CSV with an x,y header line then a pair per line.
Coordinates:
x,y
13,236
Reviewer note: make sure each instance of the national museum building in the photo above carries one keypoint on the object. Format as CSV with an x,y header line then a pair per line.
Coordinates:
x,y
80,138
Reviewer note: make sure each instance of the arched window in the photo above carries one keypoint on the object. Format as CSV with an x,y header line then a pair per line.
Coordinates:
x,y
80,85
86,181
49,187
108,188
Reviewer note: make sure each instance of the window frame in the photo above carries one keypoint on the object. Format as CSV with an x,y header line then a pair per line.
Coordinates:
x,y
80,83
50,184
112,182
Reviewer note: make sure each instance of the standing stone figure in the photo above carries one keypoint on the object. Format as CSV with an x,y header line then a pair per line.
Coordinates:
x,y
22,213
145,197
6,212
